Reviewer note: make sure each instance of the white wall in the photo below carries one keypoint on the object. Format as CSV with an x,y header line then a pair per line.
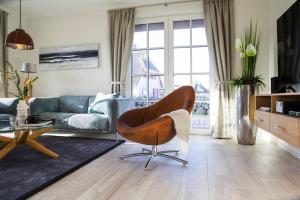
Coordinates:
x,y
257,10
77,29
170,10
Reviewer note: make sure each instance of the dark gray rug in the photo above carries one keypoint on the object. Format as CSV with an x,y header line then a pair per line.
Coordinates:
x,y
24,171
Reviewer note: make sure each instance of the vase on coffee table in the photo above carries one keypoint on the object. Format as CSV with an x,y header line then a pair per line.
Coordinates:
x,y
21,112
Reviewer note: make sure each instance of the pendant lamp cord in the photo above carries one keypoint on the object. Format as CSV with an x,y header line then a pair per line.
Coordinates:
x,y
20,14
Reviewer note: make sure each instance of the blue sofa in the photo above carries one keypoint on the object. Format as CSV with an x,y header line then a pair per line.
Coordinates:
x,y
8,107
81,112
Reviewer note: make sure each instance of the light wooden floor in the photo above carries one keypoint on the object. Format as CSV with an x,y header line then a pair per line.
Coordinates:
x,y
218,169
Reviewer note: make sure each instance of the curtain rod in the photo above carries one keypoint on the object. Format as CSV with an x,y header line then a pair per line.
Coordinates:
x,y
166,4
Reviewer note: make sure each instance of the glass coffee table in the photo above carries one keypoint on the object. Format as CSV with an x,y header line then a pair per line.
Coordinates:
x,y
26,135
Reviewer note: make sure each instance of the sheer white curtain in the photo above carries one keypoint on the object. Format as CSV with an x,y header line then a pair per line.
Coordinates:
x,y
219,25
121,30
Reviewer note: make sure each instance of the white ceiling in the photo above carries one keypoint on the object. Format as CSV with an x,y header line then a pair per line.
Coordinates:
x,y
45,8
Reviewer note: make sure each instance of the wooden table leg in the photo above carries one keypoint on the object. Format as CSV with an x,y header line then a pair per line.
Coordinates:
x,y
17,134
22,137
11,144
6,139
41,148
7,148
38,133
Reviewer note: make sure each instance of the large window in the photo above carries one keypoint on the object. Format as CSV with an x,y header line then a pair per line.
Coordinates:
x,y
168,54
191,66
147,64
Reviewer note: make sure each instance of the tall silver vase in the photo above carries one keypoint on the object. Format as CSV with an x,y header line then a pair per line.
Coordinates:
x,y
246,130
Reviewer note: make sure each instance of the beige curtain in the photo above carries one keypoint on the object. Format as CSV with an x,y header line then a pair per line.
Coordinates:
x,y
121,28
219,24
3,54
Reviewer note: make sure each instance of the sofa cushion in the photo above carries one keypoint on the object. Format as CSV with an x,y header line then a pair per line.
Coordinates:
x,y
8,105
61,119
39,105
88,122
5,116
73,104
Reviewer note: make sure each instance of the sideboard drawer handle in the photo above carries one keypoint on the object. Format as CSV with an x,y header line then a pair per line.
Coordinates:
x,y
261,120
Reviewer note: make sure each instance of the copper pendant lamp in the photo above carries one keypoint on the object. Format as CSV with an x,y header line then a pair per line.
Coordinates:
x,y
19,39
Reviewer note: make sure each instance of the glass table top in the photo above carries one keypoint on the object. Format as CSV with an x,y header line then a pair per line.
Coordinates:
x,y
6,128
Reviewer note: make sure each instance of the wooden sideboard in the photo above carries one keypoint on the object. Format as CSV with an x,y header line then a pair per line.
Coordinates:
x,y
282,126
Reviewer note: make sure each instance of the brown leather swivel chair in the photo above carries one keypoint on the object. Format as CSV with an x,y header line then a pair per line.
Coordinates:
x,y
146,126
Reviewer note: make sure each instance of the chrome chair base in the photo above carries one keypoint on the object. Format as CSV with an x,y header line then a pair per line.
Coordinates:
x,y
153,153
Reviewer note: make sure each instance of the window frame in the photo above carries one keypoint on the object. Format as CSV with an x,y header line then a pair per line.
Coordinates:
x,y
171,61
171,38
169,58
165,48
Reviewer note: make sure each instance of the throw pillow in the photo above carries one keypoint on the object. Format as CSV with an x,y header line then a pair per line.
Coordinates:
x,y
95,107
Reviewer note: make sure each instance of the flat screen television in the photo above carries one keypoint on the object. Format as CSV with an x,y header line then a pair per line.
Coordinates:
x,y
288,38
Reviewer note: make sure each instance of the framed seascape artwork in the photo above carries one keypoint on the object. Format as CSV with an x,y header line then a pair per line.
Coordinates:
x,y
69,57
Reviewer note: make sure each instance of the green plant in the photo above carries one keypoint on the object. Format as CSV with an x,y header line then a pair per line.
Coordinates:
x,y
13,75
248,48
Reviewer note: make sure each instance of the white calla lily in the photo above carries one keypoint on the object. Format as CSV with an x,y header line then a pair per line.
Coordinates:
x,y
238,45
251,50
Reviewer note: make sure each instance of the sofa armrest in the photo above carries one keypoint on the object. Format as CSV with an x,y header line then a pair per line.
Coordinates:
x,y
39,105
8,105
113,108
